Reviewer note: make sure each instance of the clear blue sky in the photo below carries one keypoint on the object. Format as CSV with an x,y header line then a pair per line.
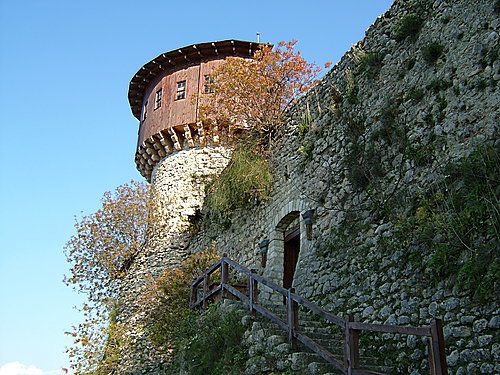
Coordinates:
x,y
67,133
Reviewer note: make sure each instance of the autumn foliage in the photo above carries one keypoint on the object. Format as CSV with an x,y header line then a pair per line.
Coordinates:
x,y
254,94
100,253
106,241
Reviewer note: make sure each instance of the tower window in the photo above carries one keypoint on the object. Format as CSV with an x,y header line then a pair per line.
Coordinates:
x,y
145,111
209,82
181,90
158,96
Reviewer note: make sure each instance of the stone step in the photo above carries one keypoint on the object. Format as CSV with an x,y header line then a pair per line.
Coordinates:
x,y
319,368
319,331
302,360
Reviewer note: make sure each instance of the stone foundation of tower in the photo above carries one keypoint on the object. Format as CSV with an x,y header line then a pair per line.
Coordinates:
x,y
180,180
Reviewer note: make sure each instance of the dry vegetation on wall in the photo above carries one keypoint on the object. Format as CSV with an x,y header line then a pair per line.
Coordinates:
x,y
100,254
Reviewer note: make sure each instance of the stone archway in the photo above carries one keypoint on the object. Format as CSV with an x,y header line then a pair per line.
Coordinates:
x,y
287,221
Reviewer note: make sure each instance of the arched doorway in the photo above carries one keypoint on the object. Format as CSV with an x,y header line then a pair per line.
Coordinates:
x,y
291,247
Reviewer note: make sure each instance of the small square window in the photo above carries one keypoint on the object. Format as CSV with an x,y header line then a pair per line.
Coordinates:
x,y
181,90
145,111
158,96
209,85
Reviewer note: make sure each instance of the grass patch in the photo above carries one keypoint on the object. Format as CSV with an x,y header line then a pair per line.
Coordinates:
x,y
408,27
363,165
246,180
431,52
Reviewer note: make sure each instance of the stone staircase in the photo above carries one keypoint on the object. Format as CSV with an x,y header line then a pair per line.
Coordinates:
x,y
269,349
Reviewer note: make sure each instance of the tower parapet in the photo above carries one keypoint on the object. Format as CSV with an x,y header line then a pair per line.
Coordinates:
x,y
165,96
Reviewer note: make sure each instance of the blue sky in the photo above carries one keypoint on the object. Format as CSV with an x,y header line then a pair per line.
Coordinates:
x,y
67,133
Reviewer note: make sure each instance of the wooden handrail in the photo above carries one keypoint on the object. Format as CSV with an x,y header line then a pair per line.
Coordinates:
x,y
350,328
209,271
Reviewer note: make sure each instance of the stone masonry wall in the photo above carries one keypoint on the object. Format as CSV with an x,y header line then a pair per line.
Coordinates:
x,y
360,149
179,179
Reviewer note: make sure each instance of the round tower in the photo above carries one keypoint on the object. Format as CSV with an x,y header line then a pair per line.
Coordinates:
x,y
175,155
165,96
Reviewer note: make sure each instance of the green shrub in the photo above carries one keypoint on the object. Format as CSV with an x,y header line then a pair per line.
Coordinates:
x,y
438,85
352,89
410,63
408,27
371,63
306,150
414,94
421,155
212,344
169,295
305,123
431,52
363,165
246,180
389,131
457,223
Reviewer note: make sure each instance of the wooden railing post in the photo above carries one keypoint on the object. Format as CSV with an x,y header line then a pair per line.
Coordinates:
x,y
224,274
192,296
252,292
437,356
351,346
292,318
205,292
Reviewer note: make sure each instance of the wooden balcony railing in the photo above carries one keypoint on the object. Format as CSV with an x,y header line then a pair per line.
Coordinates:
x,y
202,290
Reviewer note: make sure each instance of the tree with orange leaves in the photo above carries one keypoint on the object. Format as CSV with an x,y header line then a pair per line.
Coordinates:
x,y
254,94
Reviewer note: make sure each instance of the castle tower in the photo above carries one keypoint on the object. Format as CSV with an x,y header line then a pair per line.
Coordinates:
x,y
165,96
175,154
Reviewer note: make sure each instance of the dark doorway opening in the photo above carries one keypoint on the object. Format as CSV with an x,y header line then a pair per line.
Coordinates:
x,y
291,255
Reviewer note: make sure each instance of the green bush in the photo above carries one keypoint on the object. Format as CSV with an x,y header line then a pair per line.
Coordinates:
x,y
305,123
457,223
438,85
246,180
408,27
306,150
415,94
363,165
170,298
371,63
432,52
212,344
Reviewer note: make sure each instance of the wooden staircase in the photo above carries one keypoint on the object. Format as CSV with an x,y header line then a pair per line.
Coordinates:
x,y
333,341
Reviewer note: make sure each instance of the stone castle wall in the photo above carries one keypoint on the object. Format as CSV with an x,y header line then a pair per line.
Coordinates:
x,y
359,150
382,132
